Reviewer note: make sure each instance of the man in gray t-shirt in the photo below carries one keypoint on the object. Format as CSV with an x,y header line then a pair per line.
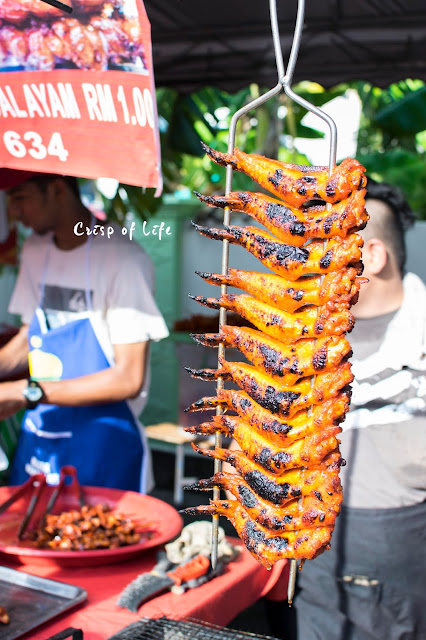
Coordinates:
x,y
370,585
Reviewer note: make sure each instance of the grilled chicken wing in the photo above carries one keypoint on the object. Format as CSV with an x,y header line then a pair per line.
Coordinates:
x,y
296,184
278,490
312,513
268,547
286,260
276,396
284,326
281,434
295,226
304,358
337,289
310,450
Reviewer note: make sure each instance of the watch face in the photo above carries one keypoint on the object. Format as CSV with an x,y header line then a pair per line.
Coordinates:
x,y
34,393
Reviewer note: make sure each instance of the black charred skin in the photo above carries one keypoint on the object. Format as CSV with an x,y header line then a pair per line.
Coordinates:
x,y
245,404
318,495
207,340
277,401
296,294
276,179
265,488
204,403
282,216
245,196
266,459
276,427
254,537
274,523
319,361
220,158
273,361
283,253
326,259
210,200
295,368
208,302
247,496
330,188
328,223
210,277
206,374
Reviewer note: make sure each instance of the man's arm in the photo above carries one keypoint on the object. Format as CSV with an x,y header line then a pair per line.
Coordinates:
x,y
120,382
14,356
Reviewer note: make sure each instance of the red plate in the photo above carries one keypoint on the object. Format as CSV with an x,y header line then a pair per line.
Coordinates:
x,y
166,523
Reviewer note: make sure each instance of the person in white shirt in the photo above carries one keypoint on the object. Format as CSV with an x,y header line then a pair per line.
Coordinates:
x,y
88,314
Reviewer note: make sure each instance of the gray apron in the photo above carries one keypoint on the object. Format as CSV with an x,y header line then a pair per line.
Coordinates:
x,y
371,585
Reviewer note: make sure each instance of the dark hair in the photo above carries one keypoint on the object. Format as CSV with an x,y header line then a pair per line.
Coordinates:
x,y
70,181
401,219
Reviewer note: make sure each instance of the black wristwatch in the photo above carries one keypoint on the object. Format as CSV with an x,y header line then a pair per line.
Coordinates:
x,y
33,394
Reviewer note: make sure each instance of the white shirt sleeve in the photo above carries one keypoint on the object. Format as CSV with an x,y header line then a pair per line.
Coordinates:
x,y
25,296
132,314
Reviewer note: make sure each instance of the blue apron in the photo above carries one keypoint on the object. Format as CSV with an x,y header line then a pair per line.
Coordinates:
x,y
102,441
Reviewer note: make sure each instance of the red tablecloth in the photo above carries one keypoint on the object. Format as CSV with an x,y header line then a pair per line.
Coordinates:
x,y
218,601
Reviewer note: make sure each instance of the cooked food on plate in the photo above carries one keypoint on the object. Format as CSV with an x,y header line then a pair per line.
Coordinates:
x,y
88,528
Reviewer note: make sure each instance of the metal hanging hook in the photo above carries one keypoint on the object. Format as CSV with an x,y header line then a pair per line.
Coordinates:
x,y
284,84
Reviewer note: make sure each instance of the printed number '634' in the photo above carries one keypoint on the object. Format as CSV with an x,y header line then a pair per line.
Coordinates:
x,y
32,143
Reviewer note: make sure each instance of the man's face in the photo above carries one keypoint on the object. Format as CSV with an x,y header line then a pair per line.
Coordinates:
x,y
32,206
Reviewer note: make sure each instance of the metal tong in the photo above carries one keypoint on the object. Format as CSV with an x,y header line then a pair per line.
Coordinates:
x,y
59,5
37,483
284,84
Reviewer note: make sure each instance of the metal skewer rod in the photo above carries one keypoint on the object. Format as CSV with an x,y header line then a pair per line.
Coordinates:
x,y
225,248
222,312
286,82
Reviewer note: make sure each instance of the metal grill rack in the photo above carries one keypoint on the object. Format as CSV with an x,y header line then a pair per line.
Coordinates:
x,y
283,85
185,629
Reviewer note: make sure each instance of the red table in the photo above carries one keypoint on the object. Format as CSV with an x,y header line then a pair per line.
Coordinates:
x,y
218,601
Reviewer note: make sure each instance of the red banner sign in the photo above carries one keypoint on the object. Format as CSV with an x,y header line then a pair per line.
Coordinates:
x,y
77,93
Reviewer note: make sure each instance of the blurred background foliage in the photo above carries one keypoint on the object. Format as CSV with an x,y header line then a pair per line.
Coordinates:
x,y
391,139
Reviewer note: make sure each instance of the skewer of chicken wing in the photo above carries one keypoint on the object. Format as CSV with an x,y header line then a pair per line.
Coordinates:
x,y
310,450
321,481
270,546
274,394
295,226
291,402
285,259
304,358
337,289
289,518
281,325
329,413
295,184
